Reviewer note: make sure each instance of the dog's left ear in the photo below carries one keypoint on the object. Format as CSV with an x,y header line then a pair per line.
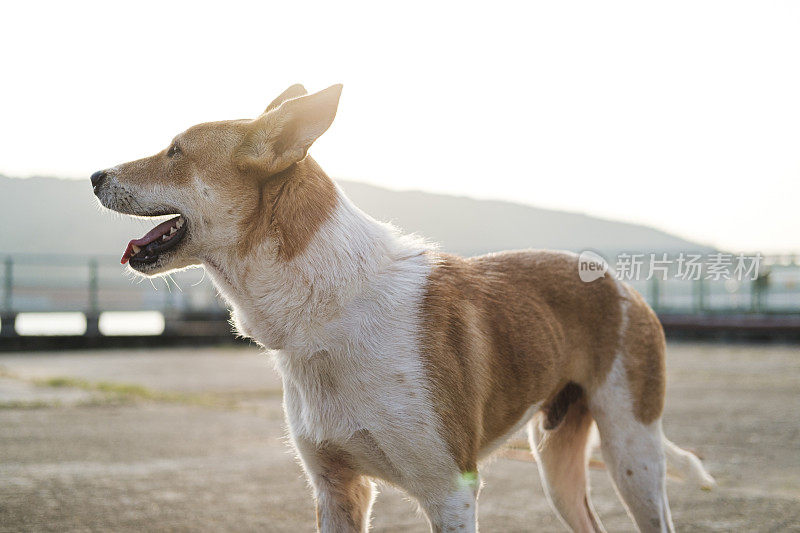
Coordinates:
x,y
282,135
294,91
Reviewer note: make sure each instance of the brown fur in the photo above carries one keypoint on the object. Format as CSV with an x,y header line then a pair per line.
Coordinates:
x,y
305,200
645,364
350,492
504,331
291,206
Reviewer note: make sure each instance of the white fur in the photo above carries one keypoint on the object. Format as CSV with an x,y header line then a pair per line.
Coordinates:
x,y
633,453
458,511
344,319
688,465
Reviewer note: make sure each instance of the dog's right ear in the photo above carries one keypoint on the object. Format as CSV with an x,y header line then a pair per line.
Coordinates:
x,y
282,136
294,91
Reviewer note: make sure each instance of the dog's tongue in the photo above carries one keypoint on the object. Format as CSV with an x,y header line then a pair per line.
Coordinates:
x,y
152,235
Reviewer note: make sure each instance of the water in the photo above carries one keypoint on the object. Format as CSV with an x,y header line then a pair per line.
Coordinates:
x,y
111,323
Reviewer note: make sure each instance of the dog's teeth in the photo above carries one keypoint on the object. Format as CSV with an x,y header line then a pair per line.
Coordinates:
x,y
164,238
173,230
179,223
136,249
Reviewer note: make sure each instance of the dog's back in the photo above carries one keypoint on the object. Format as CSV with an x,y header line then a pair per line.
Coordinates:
x,y
510,330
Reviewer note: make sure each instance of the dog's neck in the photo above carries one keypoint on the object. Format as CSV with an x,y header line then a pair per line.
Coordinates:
x,y
307,301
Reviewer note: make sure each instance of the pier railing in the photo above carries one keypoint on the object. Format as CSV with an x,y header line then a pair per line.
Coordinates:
x,y
41,283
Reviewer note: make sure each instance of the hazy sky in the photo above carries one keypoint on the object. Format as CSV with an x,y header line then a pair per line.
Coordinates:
x,y
680,115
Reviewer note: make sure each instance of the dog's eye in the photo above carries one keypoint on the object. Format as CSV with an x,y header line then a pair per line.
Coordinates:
x,y
173,150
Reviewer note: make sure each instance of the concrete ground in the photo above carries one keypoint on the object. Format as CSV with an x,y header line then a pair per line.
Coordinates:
x,y
193,440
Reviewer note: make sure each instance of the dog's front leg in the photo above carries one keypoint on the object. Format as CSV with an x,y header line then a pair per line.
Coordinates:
x,y
343,496
343,503
456,509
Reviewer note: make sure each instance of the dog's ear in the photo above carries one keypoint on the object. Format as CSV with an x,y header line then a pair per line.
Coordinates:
x,y
282,136
292,92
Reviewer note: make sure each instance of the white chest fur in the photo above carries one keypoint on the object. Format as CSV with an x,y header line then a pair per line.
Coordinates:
x,y
345,317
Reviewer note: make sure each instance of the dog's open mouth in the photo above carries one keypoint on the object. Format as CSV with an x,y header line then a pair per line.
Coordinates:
x,y
158,240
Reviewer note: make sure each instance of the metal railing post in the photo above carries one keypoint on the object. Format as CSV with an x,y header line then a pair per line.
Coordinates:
x,y
8,284
655,285
699,295
93,313
8,317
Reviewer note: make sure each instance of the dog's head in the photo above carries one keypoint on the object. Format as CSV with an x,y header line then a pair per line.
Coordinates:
x,y
219,179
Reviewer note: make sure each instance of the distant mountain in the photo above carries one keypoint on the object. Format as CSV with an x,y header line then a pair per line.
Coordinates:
x,y
469,227
48,215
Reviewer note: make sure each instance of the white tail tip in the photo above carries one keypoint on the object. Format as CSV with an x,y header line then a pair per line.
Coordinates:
x,y
688,466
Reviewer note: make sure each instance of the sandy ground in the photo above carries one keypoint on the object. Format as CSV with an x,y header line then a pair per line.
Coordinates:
x,y
193,440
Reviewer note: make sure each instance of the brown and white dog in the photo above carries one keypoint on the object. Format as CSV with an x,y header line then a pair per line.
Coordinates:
x,y
400,363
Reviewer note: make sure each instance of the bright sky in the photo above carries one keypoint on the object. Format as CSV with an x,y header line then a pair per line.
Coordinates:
x,y
682,115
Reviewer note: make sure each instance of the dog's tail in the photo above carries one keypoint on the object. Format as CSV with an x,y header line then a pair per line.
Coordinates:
x,y
687,465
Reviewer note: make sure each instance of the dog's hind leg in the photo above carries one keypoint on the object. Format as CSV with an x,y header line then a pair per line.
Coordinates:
x,y
633,453
560,441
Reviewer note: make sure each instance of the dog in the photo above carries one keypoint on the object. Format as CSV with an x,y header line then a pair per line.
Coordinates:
x,y
400,363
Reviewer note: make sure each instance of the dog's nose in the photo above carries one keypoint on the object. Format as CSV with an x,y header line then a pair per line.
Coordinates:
x,y
98,178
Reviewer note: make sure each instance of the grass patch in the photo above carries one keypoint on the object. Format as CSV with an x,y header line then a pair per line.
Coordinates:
x,y
36,404
56,382
131,392
109,392
126,389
